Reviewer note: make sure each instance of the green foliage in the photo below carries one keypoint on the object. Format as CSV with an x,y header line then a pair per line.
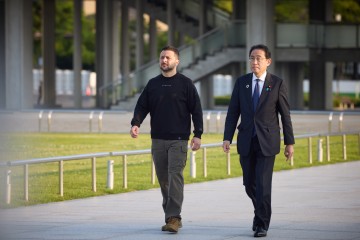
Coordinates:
x,y
44,178
292,11
349,10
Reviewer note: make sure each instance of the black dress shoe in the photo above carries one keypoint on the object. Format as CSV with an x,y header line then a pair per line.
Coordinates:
x,y
260,232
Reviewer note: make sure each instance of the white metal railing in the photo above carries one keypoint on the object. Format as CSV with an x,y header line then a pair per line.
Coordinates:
x,y
61,159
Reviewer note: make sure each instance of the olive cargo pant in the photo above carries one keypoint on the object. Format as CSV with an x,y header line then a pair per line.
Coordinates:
x,y
169,158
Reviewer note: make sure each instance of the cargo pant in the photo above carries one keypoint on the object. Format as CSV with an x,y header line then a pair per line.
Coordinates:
x,y
169,158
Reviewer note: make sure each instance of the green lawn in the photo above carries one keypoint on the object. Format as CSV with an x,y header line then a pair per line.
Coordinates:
x,y
44,178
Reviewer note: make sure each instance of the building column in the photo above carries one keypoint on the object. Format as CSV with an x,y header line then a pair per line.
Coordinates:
x,y
260,27
139,34
171,21
77,59
48,48
239,10
320,83
207,92
293,75
18,55
2,56
106,45
320,72
153,38
127,85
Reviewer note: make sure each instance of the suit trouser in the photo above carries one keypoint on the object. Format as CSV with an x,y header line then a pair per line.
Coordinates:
x,y
169,158
257,179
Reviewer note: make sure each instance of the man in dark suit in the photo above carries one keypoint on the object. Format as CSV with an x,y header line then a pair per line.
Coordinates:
x,y
259,97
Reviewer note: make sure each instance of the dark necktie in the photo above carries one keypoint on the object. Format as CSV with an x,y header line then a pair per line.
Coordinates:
x,y
256,95
255,100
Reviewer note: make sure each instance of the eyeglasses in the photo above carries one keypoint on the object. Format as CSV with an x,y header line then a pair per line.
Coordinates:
x,y
258,59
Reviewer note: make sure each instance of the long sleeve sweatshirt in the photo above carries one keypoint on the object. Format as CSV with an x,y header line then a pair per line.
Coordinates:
x,y
171,102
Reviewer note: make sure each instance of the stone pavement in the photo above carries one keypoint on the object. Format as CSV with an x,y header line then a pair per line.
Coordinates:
x,y
309,203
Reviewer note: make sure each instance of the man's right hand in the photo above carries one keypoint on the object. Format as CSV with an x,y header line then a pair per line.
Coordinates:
x,y
134,131
226,146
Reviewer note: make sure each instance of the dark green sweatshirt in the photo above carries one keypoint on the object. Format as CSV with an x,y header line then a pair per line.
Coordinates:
x,y
171,102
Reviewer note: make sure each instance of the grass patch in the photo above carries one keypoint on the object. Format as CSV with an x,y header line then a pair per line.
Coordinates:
x,y
44,178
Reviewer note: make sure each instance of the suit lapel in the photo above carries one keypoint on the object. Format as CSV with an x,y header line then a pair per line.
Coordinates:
x,y
266,89
248,91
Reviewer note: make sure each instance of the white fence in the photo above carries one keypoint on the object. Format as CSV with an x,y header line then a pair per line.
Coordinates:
x,y
61,159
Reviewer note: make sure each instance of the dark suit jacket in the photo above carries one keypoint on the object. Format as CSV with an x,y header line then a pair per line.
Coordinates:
x,y
273,101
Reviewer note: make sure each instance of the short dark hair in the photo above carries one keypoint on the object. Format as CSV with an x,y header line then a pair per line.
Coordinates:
x,y
261,47
171,48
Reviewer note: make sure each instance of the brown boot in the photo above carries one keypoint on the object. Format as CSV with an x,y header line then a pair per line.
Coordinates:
x,y
173,224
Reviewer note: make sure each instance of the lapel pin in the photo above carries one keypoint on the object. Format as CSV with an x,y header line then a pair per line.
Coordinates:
x,y
247,86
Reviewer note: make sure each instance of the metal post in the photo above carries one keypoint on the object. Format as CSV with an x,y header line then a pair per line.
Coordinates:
x,y
341,122
8,187
208,116
40,118
330,121
26,182
93,163
205,162
228,163
153,171
49,121
310,150
100,121
328,148
110,175
90,120
344,146
125,171
61,178
320,150
192,164
359,142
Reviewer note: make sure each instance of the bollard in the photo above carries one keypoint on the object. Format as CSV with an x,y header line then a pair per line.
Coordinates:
x,y
90,120
218,122
341,122
100,121
208,116
330,120
205,162
61,178
292,161
26,182
40,118
310,150
328,148
344,145
125,172
228,163
359,142
192,164
110,175
49,120
93,164
153,172
320,150
8,187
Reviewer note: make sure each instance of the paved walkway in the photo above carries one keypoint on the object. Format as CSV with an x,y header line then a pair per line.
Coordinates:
x,y
310,203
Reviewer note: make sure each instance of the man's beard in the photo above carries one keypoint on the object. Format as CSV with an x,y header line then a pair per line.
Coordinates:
x,y
168,68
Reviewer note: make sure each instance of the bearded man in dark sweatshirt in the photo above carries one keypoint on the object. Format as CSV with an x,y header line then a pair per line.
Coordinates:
x,y
172,101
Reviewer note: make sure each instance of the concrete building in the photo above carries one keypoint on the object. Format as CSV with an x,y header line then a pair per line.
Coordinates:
x,y
221,45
